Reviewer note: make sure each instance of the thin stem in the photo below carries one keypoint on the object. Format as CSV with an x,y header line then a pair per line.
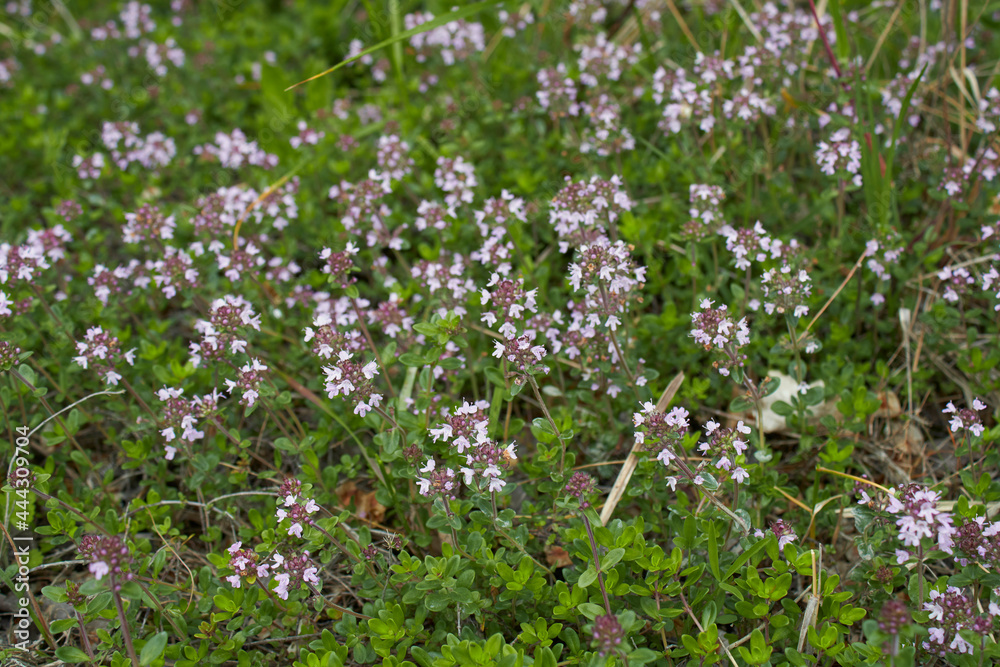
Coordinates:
x,y
137,397
826,42
597,564
126,635
83,635
347,553
555,429
53,414
343,610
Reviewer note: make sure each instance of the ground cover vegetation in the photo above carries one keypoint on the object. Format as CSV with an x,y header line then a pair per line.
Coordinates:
x,y
532,333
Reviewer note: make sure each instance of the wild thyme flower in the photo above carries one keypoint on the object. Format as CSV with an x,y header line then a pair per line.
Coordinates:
x,y
174,271
608,633
234,151
456,178
21,264
602,58
496,252
244,563
581,486
9,355
455,41
490,460
989,111
393,157
499,211
90,167
298,511
50,242
749,244
557,92
329,337
119,281
338,265
295,570
894,616
439,482
685,101
895,92
991,283
101,352
748,106
921,517
362,203
180,417
464,427
952,612
510,303
392,317
147,224
306,136
69,210
107,556
524,359
609,276
784,532
605,135
248,380
966,419
724,447
841,154
715,330
980,542
785,290
434,215
660,432
956,281
705,211
347,377
582,210
446,282
224,330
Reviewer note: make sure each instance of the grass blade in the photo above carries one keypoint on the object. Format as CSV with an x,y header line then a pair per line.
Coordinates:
x,y
438,21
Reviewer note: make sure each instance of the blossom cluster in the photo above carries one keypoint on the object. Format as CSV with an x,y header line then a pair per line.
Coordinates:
x,y
108,556
920,518
484,460
179,417
952,612
101,352
715,330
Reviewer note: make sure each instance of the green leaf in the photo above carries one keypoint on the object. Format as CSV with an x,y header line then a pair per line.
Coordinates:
x,y
590,610
781,408
611,559
411,359
543,425
436,22
747,555
153,649
713,550
588,577
71,654
741,404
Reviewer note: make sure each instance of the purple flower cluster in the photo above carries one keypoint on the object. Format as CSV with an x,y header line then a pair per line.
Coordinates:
x,y
919,519
713,328
108,556
101,352
952,613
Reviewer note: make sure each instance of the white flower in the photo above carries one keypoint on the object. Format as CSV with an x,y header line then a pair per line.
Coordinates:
x,y
99,569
